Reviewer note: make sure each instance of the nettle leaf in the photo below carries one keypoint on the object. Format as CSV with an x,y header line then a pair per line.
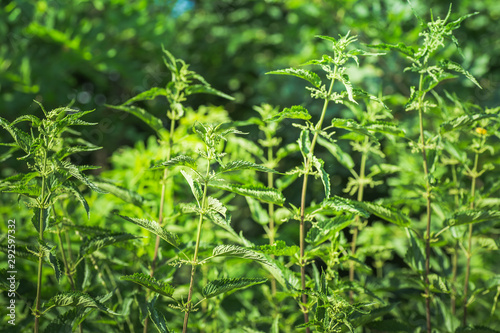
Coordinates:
x,y
304,142
22,139
206,89
195,187
325,178
259,214
386,128
261,193
22,253
400,47
120,192
325,227
351,125
243,165
71,187
77,299
464,121
151,283
387,213
415,257
339,204
74,171
341,156
155,123
98,242
237,251
42,214
156,229
295,112
181,160
220,286
157,317
49,254
450,65
473,216
282,274
35,121
279,248
305,74
147,95
217,213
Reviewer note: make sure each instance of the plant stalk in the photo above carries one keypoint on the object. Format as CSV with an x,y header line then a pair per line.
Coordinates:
x,y
429,209
357,218
308,165
162,206
40,235
195,256
469,240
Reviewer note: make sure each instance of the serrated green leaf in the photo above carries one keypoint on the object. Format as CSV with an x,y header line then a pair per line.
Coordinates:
x,y
44,214
341,156
220,286
305,74
401,47
339,204
35,121
386,128
74,171
464,121
155,228
325,227
295,112
195,187
304,142
353,126
147,95
279,248
77,299
120,192
415,256
71,187
325,178
450,65
181,160
49,254
243,165
157,317
155,123
259,214
151,283
22,139
473,216
21,253
387,213
265,194
98,242
204,89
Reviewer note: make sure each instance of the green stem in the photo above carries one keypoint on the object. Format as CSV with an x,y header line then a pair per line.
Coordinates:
x,y
195,256
361,187
40,235
270,211
469,240
308,165
162,205
429,209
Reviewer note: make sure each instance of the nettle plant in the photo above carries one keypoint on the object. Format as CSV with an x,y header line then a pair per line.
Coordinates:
x,y
48,188
325,241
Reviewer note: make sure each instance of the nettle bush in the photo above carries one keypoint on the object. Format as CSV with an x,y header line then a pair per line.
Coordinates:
x,y
203,229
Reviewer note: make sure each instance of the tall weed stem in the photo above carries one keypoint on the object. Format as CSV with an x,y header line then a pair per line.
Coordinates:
x,y
429,210
194,262
308,166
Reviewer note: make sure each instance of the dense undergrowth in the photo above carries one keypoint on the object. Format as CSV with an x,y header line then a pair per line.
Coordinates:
x,y
202,229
